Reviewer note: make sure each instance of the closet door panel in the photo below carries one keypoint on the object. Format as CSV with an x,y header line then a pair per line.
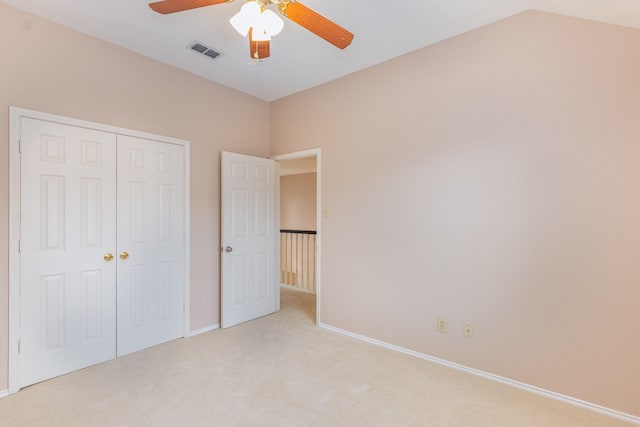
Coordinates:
x,y
150,243
68,288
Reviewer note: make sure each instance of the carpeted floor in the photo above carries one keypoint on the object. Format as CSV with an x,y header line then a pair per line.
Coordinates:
x,y
281,370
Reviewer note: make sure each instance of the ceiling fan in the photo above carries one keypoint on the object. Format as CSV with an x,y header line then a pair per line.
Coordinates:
x,y
260,23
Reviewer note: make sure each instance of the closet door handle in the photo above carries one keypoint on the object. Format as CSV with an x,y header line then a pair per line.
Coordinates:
x,y
228,249
108,257
124,255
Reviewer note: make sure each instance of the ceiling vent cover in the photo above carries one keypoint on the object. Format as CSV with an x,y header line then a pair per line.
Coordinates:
x,y
200,48
212,54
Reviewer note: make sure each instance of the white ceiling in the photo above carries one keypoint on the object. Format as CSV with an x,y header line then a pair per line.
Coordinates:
x,y
299,59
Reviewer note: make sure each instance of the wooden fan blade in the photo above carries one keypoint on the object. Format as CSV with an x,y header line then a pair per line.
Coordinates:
x,y
258,49
172,6
317,24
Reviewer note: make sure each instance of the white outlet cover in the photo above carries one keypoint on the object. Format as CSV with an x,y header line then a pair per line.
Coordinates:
x,y
467,330
442,325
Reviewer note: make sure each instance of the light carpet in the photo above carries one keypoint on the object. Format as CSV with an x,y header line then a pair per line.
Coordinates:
x,y
281,370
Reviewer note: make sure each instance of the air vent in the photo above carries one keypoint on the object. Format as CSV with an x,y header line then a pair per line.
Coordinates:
x,y
204,50
212,54
199,48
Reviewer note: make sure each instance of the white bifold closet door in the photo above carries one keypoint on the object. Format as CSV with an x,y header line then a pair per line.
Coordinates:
x,y
151,241
102,238
67,292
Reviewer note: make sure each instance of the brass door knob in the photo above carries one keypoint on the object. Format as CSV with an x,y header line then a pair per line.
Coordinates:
x,y
124,255
108,257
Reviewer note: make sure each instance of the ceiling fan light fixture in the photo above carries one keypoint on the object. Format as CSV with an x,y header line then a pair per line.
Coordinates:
x,y
260,35
259,23
265,23
273,24
249,14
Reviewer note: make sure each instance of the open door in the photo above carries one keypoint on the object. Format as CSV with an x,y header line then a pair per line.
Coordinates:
x,y
249,238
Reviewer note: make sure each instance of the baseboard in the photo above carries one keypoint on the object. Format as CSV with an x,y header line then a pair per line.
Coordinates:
x,y
4,393
523,386
205,329
293,288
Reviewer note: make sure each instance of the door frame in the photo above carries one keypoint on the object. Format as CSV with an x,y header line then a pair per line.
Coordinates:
x,y
299,155
15,118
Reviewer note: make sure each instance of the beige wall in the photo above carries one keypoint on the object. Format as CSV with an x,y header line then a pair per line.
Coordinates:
x,y
49,68
298,202
492,178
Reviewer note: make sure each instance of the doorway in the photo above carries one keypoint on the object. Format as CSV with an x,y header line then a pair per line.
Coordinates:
x,y
300,216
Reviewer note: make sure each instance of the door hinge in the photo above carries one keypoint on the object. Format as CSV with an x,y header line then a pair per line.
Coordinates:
x,y
20,146
19,246
19,342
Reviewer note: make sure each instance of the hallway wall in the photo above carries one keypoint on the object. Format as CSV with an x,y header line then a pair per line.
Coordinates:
x,y
298,204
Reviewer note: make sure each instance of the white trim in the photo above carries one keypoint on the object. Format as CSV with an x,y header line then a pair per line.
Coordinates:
x,y
187,241
278,239
4,393
15,118
317,152
319,233
297,289
21,112
203,330
497,378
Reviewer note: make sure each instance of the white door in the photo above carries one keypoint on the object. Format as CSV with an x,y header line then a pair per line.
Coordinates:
x,y
150,243
68,230
102,247
249,238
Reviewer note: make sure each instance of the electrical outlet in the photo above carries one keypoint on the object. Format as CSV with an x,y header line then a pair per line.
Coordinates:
x,y
467,330
442,325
